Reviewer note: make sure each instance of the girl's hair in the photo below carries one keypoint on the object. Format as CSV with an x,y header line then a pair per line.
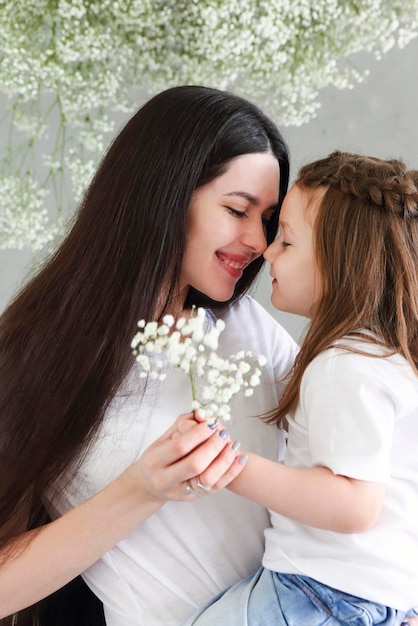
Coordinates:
x,y
365,238
65,340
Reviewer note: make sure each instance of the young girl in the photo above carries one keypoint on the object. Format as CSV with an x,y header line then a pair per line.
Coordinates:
x,y
178,214
343,546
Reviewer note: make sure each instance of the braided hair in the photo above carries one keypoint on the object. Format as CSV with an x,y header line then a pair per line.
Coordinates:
x,y
386,185
365,237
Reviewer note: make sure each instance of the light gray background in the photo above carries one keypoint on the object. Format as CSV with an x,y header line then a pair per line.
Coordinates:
x,y
378,117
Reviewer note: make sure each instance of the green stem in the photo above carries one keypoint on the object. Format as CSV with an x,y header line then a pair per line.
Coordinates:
x,y
192,383
191,377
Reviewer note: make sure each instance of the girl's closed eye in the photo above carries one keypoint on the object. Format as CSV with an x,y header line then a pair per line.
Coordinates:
x,y
284,244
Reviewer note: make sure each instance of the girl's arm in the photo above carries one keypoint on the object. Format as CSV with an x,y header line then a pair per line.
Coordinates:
x,y
313,496
58,552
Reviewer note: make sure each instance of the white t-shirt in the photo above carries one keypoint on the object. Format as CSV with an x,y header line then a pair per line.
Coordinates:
x,y
188,551
358,416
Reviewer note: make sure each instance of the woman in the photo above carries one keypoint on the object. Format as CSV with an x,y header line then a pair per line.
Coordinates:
x,y
178,214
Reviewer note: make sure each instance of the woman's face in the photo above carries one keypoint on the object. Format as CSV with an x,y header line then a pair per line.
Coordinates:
x,y
226,228
296,283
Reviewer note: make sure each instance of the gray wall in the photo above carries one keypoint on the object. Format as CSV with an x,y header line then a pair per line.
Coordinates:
x,y
377,117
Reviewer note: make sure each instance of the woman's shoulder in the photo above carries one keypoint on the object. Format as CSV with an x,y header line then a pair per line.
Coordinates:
x,y
248,308
248,323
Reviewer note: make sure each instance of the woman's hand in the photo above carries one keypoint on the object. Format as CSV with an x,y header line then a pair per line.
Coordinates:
x,y
193,457
61,550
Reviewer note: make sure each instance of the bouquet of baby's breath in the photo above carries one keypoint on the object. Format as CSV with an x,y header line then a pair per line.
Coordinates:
x,y
188,345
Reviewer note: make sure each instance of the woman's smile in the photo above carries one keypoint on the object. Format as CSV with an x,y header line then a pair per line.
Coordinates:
x,y
234,264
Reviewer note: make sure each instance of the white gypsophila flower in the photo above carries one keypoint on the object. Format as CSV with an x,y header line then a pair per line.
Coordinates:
x,y
81,172
73,64
192,347
24,220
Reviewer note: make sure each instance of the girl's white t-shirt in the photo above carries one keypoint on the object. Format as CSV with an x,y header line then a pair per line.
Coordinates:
x,y
358,416
187,552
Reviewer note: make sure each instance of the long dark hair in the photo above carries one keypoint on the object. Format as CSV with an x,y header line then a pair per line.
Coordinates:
x,y
64,340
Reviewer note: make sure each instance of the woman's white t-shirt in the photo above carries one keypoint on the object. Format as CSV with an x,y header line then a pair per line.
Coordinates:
x,y
187,552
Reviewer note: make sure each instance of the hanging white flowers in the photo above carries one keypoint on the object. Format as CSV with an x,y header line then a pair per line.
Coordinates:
x,y
70,68
187,344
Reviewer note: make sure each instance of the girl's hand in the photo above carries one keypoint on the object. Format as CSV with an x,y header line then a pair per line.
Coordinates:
x,y
193,457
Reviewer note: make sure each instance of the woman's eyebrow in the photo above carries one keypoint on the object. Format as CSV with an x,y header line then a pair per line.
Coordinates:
x,y
244,194
253,200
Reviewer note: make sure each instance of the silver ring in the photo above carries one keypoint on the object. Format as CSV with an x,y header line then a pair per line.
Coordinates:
x,y
199,484
190,489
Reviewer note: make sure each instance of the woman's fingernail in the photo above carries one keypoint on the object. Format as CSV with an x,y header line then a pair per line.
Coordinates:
x,y
213,425
243,459
223,434
236,446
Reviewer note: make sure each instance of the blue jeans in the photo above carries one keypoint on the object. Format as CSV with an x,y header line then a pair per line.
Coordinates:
x,y
271,599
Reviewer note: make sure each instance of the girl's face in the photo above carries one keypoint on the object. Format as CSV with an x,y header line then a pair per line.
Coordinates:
x,y
226,228
296,285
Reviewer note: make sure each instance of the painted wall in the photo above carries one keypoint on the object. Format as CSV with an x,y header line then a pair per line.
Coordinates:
x,y
378,117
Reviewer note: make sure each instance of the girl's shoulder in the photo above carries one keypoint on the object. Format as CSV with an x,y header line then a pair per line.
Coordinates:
x,y
358,358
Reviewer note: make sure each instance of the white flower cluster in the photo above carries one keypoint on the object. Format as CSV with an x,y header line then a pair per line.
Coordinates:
x,y
189,346
70,63
24,220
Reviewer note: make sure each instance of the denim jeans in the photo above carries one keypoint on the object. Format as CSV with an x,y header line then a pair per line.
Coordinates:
x,y
271,599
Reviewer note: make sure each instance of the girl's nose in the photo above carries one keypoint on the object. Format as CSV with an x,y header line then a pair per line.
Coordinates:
x,y
255,238
269,252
